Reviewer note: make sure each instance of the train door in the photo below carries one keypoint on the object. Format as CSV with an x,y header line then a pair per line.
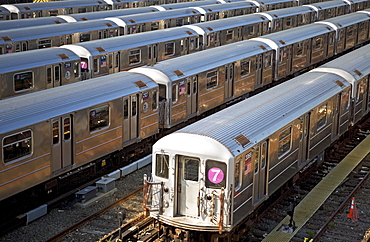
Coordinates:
x,y
260,172
304,138
152,53
259,64
187,185
192,96
62,142
130,118
53,76
229,81
335,122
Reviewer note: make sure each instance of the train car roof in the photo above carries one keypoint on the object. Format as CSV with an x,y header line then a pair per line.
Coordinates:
x,y
227,6
297,34
284,12
348,19
25,110
110,13
327,4
206,60
228,23
25,23
38,32
186,4
52,5
125,42
35,58
4,10
266,113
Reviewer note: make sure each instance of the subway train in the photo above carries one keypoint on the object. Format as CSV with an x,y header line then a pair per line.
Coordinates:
x,y
20,74
54,8
60,136
209,176
43,36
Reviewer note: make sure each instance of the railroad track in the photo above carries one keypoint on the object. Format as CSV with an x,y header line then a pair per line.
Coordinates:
x,y
330,222
95,226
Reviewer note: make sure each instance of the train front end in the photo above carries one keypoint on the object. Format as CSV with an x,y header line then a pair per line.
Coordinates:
x,y
189,188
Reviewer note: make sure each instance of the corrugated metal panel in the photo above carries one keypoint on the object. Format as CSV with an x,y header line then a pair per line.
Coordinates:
x,y
261,115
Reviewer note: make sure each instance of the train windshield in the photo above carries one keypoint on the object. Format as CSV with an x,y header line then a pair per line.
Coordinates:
x,y
216,174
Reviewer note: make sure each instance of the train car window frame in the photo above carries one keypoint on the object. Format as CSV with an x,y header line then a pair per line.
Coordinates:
x,y
44,43
322,112
27,81
98,120
300,50
162,165
77,70
229,35
264,154
191,169
154,100
125,108
216,173
360,91
238,174
134,56
67,129
85,37
212,79
256,159
175,92
55,130
318,42
245,67
284,142
19,143
169,48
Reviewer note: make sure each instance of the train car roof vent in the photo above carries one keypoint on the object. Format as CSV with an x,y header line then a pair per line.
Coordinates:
x,y
132,21
108,24
209,28
281,41
339,83
189,32
275,15
6,38
140,84
263,18
210,10
262,47
84,19
339,25
154,10
119,1
193,11
242,140
357,72
100,49
100,2
63,56
27,8
57,22
178,73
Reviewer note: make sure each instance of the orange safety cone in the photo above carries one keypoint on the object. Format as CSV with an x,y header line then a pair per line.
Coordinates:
x,y
350,214
355,215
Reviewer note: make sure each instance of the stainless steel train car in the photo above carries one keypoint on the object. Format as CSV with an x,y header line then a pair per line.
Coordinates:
x,y
108,56
209,176
54,8
4,14
105,123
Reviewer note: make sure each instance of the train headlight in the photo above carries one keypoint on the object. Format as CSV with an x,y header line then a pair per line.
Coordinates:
x,y
166,204
165,189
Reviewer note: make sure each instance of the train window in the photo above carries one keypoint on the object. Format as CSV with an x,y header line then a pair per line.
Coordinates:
x,y
134,56
267,60
318,43
174,93
133,106
229,35
191,169
48,75
23,81
161,165
57,73
344,101
53,13
103,61
350,31
55,132
44,43
84,37
284,141
237,175
96,65
179,22
321,116
300,49
99,118
360,91
211,38
256,160
212,79
215,174
169,48
263,155
250,31
154,100
288,22
17,47
245,66
125,108
154,26
76,69
17,146
1,50
67,129
82,10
